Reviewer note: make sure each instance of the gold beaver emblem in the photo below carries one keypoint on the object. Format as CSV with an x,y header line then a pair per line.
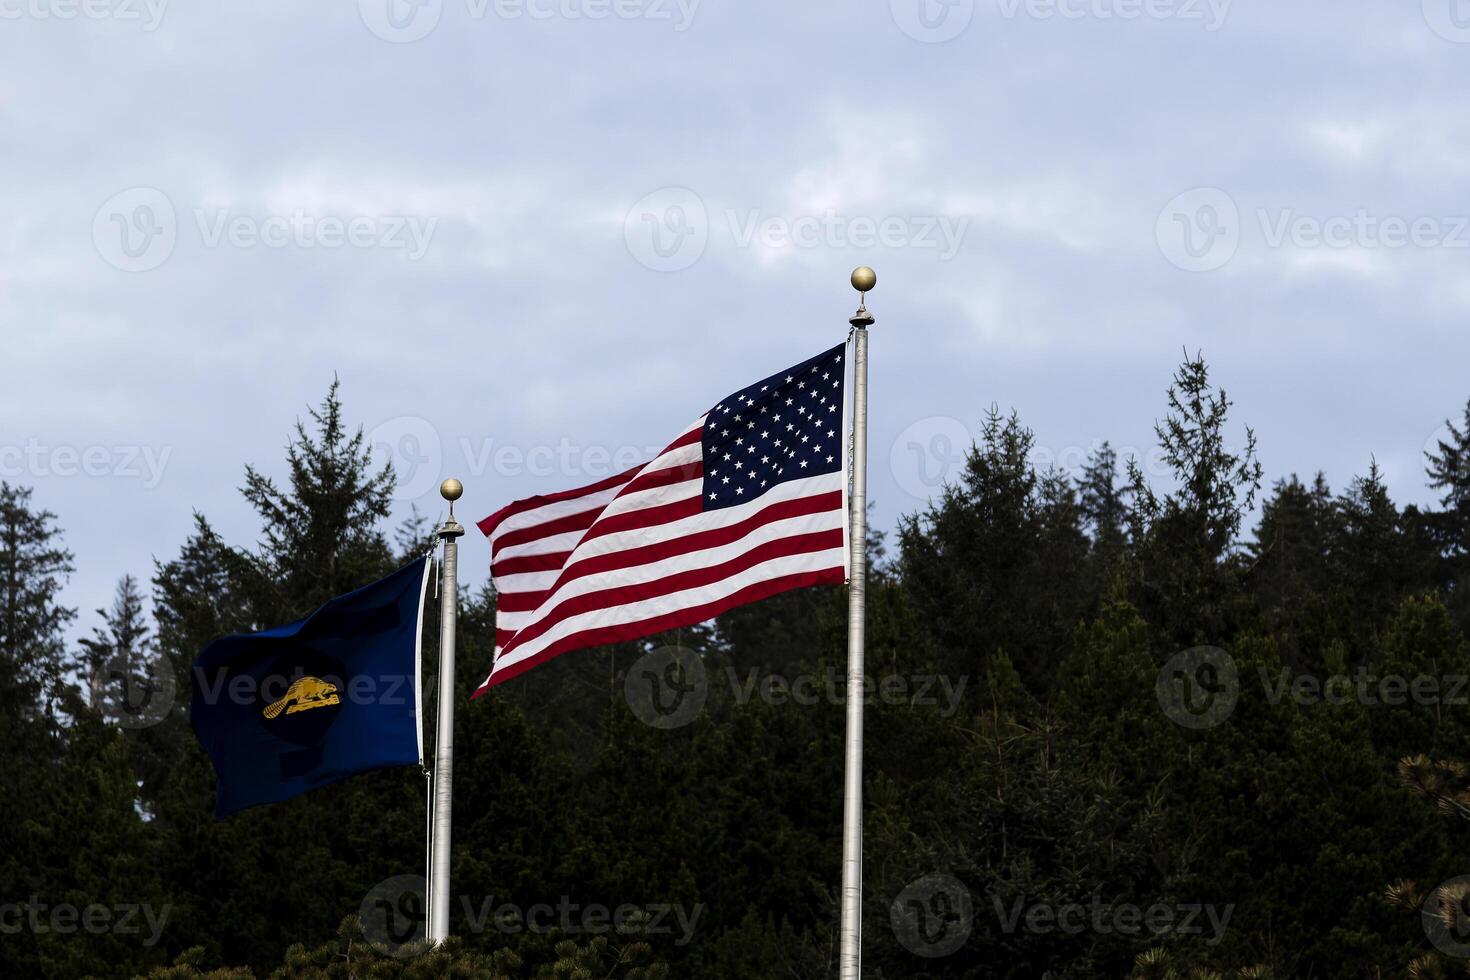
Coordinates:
x,y
303,695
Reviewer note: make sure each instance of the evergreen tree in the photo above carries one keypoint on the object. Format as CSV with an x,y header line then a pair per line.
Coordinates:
x,y
995,563
1187,539
1104,511
33,568
320,537
1449,472
118,649
1288,562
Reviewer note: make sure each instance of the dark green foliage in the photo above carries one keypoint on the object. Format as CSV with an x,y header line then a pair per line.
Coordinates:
x,y
33,568
1042,797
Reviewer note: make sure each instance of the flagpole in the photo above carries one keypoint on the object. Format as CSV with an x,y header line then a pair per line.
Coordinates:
x,y
451,490
850,957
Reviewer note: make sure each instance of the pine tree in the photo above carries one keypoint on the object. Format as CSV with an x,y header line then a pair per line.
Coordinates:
x,y
34,566
1104,506
1187,538
1449,472
1288,560
320,536
117,648
997,562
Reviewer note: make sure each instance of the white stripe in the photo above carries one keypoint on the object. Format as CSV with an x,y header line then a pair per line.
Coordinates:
x,y
634,575
565,541
654,497
706,520
633,612
679,455
607,544
522,582
636,500
555,511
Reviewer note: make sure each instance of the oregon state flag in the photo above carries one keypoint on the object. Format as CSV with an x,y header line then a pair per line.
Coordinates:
x,y
306,704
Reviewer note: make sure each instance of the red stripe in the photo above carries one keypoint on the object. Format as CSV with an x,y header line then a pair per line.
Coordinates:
x,y
689,438
580,521
682,545
674,620
618,595
519,601
632,520
489,524
626,521
666,477
715,537
529,563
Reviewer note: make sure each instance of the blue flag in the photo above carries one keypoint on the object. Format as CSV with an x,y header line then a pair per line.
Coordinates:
x,y
306,704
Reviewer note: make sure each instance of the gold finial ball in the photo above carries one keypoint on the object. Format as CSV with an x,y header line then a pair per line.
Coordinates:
x,y
864,279
451,489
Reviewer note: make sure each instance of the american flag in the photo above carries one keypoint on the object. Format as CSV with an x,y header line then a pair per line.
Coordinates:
x,y
748,501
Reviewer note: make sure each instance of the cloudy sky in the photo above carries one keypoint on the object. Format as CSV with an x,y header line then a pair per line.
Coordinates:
x,y
535,237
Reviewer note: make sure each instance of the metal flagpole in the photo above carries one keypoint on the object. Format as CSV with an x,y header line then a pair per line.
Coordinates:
x,y
850,957
451,490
